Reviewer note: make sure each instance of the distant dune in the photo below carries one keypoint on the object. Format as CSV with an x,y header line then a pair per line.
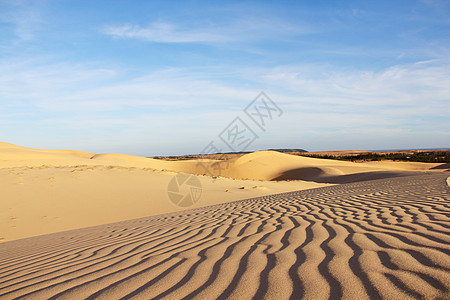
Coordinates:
x,y
272,165
45,191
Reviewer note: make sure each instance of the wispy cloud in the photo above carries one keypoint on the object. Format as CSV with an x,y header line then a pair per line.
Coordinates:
x,y
24,16
338,76
400,85
64,87
161,32
241,29
410,99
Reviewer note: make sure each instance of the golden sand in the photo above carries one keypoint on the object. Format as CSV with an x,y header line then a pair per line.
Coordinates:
x,y
342,230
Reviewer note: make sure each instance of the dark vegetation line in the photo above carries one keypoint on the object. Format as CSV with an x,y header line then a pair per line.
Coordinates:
x,y
422,156
428,157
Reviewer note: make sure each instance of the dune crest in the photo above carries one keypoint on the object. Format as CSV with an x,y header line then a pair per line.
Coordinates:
x,y
272,165
55,186
46,191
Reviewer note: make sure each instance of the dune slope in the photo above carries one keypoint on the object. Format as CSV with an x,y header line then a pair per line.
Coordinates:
x,y
386,238
46,191
275,166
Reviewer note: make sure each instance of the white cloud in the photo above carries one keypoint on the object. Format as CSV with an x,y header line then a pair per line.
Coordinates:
x,y
183,104
421,88
241,29
163,33
24,16
408,85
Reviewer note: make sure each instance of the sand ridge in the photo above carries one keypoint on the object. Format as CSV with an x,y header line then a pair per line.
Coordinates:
x,y
376,239
272,165
260,165
46,191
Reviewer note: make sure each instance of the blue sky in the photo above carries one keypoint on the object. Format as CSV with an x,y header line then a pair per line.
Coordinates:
x,y
166,77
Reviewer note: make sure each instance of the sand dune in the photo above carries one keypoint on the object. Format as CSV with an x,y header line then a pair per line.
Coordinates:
x,y
376,239
272,165
261,165
46,191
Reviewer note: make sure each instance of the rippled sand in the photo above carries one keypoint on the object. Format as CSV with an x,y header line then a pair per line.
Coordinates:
x,y
387,238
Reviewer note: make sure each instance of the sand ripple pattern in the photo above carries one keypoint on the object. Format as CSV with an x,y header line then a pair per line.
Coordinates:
x,y
377,239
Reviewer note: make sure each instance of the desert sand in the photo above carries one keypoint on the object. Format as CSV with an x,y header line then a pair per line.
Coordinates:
x,y
385,238
46,191
267,225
